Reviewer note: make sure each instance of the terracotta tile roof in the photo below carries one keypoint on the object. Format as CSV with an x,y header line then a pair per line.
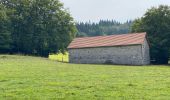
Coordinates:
x,y
107,41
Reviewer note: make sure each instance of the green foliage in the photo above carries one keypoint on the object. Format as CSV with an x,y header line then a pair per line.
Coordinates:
x,y
32,78
103,28
39,27
156,22
5,38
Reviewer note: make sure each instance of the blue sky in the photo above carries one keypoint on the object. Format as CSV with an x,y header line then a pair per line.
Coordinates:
x,y
120,10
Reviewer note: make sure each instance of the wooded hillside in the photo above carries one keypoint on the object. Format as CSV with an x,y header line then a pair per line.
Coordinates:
x,y
104,27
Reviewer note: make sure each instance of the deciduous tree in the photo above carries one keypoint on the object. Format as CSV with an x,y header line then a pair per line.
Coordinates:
x,y
5,36
39,27
156,22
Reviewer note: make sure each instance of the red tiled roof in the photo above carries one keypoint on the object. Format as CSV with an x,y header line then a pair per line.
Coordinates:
x,y
107,41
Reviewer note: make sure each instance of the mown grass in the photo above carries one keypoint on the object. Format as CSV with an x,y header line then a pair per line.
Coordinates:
x,y
33,78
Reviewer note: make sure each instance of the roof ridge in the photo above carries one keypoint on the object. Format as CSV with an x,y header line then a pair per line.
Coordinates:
x,y
111,35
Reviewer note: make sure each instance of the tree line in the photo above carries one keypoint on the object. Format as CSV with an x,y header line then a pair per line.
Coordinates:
x,y
103,27
35,27
40,27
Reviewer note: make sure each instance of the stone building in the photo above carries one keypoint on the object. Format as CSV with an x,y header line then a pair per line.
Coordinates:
x,y
124,49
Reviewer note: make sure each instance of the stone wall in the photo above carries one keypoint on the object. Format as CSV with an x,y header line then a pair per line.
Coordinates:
x,y
146,53
125,55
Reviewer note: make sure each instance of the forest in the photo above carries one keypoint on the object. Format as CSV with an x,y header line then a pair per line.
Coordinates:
x,y
35,27
103,27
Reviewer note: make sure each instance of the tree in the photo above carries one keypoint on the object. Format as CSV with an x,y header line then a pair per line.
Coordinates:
x,y
103,27
39,27
5,38
156,22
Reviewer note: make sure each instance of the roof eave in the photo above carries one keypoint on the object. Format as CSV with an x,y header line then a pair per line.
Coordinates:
x,y
103,46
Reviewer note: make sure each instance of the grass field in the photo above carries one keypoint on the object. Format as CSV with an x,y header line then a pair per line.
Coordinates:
x,y
33,78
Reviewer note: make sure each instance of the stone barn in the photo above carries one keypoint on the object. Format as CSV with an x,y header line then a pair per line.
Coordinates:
x,y
124,49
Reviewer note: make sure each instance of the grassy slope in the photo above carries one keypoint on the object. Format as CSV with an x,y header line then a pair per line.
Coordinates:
x,y
38,78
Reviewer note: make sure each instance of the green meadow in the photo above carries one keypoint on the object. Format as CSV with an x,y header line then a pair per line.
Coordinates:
x,y
35,78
